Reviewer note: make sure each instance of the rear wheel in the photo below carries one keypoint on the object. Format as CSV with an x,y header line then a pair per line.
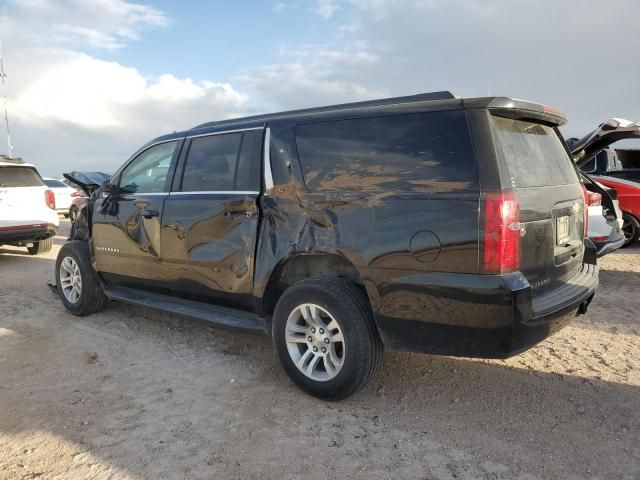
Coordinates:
x,y
325,337
78,287
41,246
630,228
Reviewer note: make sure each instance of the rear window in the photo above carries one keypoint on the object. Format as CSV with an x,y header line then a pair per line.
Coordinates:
x,y
534,153
54,183
421,152
19,177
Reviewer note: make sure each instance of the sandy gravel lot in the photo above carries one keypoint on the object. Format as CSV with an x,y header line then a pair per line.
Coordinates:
x,y
169,398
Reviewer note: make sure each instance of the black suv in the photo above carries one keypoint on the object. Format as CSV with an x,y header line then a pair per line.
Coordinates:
x,y
427,223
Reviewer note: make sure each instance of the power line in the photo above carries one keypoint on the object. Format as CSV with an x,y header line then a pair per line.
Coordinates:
x,y
4,95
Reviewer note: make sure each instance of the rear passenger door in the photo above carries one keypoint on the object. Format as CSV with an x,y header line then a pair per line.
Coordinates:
x,y
210,219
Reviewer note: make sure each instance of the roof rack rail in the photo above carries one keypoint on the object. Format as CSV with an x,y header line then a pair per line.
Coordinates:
x,y
420,97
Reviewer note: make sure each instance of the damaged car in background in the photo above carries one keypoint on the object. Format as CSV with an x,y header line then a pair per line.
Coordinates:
x,y
604,166
411,223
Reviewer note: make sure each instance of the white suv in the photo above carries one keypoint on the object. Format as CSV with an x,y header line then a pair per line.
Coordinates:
x,y
27,208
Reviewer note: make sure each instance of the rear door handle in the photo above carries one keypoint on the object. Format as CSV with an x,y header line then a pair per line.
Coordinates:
x,y
149,213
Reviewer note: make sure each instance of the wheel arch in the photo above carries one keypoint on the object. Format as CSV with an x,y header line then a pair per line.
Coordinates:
x,y
301,266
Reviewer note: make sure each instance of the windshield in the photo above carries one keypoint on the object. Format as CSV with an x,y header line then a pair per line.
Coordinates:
x,y
534,154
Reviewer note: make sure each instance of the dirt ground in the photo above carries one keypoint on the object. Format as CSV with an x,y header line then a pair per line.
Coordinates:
x,y
131,394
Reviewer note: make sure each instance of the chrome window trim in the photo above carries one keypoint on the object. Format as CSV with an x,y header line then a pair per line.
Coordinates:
x,y
268,175
224,132
153,194
217,192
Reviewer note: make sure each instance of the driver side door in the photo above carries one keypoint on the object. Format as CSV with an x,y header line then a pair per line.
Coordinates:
x,y
126,225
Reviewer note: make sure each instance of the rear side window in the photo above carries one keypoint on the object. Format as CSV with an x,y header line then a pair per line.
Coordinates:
x,y
534,154
420,152
229,162
19,177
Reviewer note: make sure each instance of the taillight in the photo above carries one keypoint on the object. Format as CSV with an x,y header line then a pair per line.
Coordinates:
x,y
501,233
50,199
594,198
585,198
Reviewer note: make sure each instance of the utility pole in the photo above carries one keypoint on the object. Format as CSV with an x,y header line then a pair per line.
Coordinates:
x,y
4,95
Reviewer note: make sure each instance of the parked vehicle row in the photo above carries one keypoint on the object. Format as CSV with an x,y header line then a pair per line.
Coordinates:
x,y
428,223
64,194
28,215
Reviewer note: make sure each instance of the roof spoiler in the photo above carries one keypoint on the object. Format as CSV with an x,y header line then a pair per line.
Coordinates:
x,y
524,110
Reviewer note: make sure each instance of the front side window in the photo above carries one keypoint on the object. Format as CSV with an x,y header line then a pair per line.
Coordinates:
x,y
418,152
149,171
224,162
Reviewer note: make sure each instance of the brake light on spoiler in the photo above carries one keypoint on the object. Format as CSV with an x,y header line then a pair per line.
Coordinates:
x,y
501,232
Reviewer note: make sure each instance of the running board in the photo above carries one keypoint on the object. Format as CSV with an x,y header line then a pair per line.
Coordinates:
x,y
202,311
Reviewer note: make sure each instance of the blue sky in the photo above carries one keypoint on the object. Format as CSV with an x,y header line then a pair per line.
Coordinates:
x,y
91,80
219,39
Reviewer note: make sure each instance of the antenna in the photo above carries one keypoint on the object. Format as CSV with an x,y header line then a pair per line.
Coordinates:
x,y
4,95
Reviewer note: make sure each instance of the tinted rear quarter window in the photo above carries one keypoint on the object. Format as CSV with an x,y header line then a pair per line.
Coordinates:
x,y
19,177
534,154
421,152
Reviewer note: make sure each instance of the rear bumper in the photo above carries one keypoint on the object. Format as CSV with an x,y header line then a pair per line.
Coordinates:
x,y
608,246
27,233
477,315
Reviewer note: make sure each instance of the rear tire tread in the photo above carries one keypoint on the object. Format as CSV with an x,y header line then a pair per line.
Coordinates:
x,y
350,297
41,246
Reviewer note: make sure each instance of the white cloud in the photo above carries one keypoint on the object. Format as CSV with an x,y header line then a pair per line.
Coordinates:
x,y
312,75
326,8
71,110
106,24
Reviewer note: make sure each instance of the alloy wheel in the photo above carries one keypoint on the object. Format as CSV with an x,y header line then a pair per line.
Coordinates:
x,y
315,342
70,279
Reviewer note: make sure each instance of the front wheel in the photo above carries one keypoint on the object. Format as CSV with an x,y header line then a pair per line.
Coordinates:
x,y
325,337
78,287
630,228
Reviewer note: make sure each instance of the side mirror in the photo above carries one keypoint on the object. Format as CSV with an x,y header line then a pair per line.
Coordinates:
x,y
110,188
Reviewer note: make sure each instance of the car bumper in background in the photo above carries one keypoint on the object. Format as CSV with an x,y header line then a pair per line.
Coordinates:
x,y
488,316
27,233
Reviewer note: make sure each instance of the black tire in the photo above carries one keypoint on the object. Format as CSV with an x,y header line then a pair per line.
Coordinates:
x,y
349,306
73,214
41,246
630,228
91,298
